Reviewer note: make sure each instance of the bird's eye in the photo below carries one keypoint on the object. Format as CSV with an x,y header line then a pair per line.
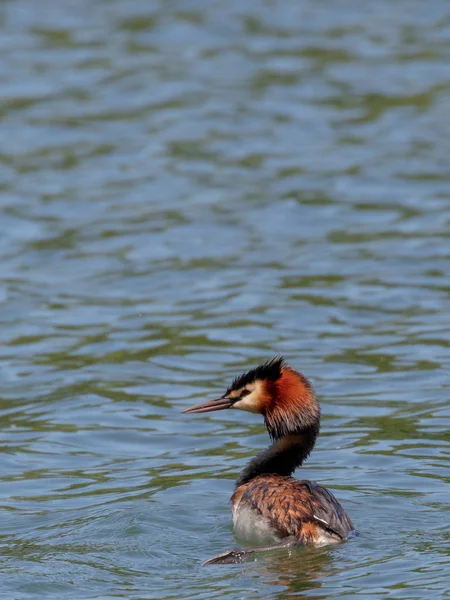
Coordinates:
x,y
245,392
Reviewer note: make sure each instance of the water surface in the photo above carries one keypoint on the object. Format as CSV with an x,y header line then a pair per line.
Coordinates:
x,y
187,188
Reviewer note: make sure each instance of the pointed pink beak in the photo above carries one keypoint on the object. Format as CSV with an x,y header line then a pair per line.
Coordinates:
x,y
210,406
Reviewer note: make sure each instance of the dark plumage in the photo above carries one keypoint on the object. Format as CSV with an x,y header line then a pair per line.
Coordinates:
x,y
269,371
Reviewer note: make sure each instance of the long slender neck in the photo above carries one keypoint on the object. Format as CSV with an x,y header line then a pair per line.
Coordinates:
x,y
283,456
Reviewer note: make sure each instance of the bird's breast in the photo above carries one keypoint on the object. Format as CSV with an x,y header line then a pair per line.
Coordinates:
x,y
252,527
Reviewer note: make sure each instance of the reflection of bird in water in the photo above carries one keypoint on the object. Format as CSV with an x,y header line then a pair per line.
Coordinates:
x,y
271,508
296,577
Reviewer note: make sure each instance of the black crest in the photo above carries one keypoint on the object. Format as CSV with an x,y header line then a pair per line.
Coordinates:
x,y
271,370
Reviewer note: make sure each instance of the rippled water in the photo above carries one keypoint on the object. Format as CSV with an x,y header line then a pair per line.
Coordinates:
x,y
188,187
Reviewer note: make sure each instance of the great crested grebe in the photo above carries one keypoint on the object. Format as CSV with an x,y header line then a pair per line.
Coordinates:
x,y
268,505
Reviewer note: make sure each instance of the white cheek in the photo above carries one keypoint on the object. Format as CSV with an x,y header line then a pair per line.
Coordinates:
x,y
247,403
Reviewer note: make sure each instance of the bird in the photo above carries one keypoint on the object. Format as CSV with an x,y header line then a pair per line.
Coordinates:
x,y
270,508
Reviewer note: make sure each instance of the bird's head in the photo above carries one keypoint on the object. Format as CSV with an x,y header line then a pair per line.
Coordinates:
x,y
275,390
